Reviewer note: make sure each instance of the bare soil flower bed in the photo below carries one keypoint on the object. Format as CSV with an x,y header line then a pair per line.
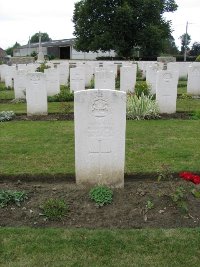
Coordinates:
x,y
141,204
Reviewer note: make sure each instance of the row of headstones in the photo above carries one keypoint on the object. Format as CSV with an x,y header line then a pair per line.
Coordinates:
x,y
80,76
100,123
192,74
105,79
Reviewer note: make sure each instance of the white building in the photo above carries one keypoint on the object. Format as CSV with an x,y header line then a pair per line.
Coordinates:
x,y
60,49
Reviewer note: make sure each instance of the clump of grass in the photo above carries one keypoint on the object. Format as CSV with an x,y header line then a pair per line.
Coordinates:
x,y
9,197
54,209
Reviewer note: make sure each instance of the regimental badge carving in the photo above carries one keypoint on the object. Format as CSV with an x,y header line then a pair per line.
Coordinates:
x,y
100,108
167,77
35,77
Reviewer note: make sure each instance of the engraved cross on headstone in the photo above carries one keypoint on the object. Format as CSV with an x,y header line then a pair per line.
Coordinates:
x,y
100,149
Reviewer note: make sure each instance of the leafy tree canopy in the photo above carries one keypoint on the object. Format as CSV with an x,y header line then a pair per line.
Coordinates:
x,y
9,50
169,46
185,41
195,50
44,37
122,25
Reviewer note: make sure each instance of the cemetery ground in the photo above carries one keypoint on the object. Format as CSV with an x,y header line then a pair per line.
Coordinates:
x,y
143,226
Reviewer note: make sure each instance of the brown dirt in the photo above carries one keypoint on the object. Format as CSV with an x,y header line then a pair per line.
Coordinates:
x,y
126,211
70,116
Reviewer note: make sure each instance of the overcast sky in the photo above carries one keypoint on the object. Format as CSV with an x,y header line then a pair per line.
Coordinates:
x,y
20,19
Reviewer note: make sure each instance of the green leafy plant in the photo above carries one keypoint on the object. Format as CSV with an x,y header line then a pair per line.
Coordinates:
x,y
9,197
6,115
101,195
54,209
195,192
179,197
149,205
42,67
176,194
142,88
64,96
140,108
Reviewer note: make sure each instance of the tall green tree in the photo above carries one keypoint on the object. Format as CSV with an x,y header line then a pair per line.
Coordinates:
x,y
122,25
169,46
44,37
185,41
9,50
195,50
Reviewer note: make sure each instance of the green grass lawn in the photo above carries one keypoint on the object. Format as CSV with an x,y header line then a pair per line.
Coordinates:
x,y
53,107
98,248
7,94
35,147
184,105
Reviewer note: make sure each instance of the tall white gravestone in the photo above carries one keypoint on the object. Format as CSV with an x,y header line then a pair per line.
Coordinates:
x,y
193,85
77,79
151,74
128,78
52,82
20,84
36,94
104,79
166,91
100,122
63,70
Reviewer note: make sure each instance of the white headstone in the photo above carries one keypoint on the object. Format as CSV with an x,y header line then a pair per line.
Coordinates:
x,y
193,85
63,70
104,79
52,82
36,94
166,91
9,76
110,66
89,74
151,74
100,122
3,72
20,84
128,78
77,79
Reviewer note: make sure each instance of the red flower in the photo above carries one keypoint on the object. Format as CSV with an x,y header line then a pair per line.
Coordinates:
x,y
196,179
188,176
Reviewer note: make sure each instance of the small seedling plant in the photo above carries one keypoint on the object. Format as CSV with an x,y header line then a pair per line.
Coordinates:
x,y
178,195
179,199
11,197
101,195
54,209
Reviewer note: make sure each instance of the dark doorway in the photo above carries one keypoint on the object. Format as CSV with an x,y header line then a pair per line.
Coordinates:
x,y
65,52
